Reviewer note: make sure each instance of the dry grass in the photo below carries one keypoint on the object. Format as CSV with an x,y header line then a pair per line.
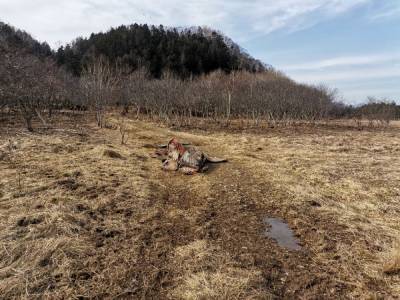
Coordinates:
x,y
209,273
79,221
112,154
392,263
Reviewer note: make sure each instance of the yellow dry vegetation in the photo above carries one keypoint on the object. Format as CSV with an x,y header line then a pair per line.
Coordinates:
x,y
82,215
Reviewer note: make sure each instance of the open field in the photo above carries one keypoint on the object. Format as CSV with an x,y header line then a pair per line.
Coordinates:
x,y
78,222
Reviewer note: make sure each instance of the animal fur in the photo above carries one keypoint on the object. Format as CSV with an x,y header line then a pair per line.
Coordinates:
x,y
185,158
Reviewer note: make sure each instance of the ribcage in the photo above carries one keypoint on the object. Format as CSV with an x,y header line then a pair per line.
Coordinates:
x,y
192,158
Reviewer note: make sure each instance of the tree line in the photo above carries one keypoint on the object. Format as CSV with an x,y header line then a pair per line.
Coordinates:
x,y
33,83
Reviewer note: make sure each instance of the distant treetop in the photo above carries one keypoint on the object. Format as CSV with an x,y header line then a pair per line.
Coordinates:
x,y
18,39
184,52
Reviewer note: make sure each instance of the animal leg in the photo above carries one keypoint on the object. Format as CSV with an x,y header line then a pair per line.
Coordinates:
x,y
205,168
188,170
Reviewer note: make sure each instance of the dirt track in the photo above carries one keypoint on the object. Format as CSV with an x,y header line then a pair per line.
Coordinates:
x,y
77,223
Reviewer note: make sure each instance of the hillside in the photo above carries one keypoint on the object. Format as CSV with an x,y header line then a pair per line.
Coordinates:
x,y
11,37
185,52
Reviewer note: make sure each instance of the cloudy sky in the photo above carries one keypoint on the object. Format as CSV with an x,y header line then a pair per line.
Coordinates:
x,y
352,45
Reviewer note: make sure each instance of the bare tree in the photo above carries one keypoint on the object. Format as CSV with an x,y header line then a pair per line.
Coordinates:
x,y
268,96
378,111
36,85
123,131
24,83
98,82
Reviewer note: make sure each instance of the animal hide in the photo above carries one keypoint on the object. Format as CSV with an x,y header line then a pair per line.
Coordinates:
x,y
185,158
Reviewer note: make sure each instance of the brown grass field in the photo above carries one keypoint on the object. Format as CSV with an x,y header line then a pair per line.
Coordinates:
x,y
82,216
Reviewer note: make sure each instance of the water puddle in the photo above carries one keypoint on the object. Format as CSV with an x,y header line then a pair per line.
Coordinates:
x,y
282,234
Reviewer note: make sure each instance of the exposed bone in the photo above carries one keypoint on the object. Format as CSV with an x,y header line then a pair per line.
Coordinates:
x,y
185,158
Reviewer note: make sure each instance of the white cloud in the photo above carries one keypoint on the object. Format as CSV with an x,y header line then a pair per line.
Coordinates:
x,y
389,10
345,75
63,20
359,95
346,61
387,14
355,76
345,68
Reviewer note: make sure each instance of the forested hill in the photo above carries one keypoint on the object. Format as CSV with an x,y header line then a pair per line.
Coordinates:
x,y
18,39
186,52
183,51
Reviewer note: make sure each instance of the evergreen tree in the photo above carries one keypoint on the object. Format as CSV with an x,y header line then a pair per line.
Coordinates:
x,y
184,53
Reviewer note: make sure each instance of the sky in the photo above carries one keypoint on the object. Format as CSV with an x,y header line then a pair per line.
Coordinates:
x,y
351,45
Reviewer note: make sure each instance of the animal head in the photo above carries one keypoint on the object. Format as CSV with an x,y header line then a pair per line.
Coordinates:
x,y
175,149
170,165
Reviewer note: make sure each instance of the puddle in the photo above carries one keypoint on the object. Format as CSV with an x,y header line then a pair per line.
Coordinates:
x,y
282,234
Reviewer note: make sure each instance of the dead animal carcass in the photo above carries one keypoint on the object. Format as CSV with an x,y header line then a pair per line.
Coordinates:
x,y
184,158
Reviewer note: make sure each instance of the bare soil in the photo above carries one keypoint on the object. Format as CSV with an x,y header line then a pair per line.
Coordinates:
x,y
82,216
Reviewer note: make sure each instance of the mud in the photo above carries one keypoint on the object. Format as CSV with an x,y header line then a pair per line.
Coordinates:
x,y
282,234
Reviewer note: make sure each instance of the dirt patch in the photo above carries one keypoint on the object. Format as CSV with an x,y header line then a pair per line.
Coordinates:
x,y
31,220
281,233
69,184
112,154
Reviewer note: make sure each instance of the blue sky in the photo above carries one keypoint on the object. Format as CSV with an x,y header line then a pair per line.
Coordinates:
x,y
352,45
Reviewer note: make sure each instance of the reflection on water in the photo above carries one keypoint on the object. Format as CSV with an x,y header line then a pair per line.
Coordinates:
x,y
281,233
